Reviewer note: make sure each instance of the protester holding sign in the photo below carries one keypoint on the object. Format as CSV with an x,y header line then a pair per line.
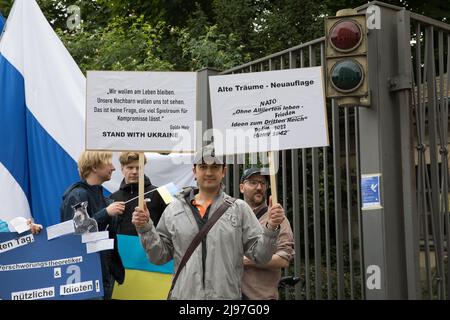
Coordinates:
x,y
215,271
260,282
96,168
129,189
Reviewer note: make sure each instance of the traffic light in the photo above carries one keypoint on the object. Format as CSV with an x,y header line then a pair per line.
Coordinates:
x,y
346,58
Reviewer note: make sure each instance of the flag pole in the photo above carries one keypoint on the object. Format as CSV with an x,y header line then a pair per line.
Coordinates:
x,y
128,201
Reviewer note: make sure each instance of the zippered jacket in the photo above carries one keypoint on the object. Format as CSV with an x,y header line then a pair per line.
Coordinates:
x,y
218,275
127,191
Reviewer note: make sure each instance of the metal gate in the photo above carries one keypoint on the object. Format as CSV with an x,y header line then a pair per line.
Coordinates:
x,y
403,137
319,188
430,67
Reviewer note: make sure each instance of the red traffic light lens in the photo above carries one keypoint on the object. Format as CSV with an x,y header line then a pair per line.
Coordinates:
x,y
345,35
347,75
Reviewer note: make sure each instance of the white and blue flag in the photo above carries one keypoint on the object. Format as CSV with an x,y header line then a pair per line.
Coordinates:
x,y
42,122
41,116
2,22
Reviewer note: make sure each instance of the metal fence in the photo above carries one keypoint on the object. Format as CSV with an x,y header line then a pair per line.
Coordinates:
x,y
405,138
430,44
319,189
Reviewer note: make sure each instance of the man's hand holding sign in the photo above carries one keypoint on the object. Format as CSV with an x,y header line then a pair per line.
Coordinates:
x,y
140,216
276,215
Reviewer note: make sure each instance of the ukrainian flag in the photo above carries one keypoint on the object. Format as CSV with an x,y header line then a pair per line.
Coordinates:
x,y
143,280
168,192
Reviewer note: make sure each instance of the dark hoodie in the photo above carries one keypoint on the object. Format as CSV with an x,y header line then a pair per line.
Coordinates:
x,y
128,191
97,203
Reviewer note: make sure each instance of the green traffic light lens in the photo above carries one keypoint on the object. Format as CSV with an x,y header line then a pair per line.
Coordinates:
x,y
347,75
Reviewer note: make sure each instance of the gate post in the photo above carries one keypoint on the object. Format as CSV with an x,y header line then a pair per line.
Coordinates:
x,y
410,212
385,146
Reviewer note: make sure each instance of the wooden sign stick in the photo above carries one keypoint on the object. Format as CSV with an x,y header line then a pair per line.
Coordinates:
x,y
273,179
141,180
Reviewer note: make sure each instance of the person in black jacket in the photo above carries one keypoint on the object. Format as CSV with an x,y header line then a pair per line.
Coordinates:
x,y
95,168
129,189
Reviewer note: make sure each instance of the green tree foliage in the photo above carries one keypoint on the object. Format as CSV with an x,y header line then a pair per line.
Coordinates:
x,y
286,23
135,43
237,17
436,9
5,7
93,15
124,44
192,34
211,49
173,12
202,45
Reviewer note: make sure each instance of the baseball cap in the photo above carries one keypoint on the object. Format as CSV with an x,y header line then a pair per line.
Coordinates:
x,y
249,172
207,155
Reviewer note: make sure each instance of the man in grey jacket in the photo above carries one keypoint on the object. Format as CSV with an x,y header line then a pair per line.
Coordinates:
x,y
214,270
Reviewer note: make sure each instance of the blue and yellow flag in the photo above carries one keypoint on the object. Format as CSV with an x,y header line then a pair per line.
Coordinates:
x,y
168,192
143,280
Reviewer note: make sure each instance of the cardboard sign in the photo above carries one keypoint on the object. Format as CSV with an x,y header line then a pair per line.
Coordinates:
x,y
58,269
141,111
268,111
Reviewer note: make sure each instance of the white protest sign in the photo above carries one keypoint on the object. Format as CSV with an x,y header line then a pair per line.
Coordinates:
x,y
141,111
60,229
99,245
20,224
267,111
94,236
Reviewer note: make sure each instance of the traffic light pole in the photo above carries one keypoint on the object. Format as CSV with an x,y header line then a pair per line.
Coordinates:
x,y
386,166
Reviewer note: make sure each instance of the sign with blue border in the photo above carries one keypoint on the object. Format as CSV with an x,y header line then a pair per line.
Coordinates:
x,y
32,267
370,191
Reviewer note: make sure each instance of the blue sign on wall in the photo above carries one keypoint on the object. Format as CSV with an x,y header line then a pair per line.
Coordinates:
x,y
48,269
370,191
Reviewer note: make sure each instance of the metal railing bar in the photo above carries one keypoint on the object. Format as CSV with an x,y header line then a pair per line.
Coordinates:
x,y
275,55
337,201
349,198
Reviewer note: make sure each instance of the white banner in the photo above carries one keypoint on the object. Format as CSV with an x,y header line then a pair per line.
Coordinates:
x,y
268,111
141,111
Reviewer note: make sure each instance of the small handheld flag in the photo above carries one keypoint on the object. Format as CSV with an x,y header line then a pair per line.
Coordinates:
x,y
168,192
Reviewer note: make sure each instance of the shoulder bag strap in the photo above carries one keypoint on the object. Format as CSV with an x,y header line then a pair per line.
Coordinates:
x,y
199,237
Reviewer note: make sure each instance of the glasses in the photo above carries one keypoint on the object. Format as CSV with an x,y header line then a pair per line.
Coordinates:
x,y
255,183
